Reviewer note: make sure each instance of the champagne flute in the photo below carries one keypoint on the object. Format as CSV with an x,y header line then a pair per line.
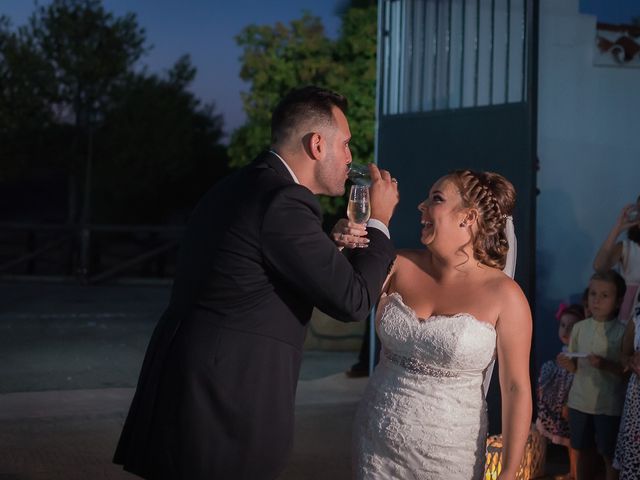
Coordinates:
x,y
359,174
359,208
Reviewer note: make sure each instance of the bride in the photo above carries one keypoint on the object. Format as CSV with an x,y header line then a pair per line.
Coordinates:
x,y
445,312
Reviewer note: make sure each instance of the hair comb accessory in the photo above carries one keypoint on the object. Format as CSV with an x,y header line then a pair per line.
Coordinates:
x,y
561,309
512,252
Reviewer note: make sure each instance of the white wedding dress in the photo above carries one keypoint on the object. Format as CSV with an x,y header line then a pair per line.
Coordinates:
x,y
423,414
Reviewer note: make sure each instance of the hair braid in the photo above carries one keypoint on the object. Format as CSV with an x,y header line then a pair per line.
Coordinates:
x,y
493,196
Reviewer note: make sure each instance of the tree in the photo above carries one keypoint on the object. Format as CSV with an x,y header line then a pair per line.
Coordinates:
x,y
355,77
144,142
159,149
25,113
345,5
24,85
89,52
279,58
275,60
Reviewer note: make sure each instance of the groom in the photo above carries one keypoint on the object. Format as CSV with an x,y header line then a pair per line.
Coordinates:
x,y
215,398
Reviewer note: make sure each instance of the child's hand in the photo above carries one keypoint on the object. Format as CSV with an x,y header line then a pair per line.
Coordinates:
x,y
565,412
634,363
596,361
623,222
565,362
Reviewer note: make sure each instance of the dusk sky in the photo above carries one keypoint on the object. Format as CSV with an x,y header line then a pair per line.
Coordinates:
x,y
206,29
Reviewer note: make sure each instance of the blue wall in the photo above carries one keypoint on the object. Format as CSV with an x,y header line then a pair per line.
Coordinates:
x,y
589,151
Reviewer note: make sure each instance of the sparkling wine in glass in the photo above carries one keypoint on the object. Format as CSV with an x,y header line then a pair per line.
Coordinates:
x,y
359,174
359,208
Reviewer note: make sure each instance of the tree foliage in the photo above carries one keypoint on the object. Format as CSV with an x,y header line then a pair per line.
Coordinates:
x,y
25,112
356,77
275,60
88,51
24,81
70,91
160,148
279,58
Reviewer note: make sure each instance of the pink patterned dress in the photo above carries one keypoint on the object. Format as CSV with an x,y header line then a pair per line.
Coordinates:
x,y
554,383
627,457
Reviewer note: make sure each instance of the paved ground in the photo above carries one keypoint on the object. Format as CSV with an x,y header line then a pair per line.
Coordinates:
x,y
69,337
71,434
69,357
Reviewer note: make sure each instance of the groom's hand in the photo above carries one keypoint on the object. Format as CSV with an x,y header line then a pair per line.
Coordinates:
x,y
383,194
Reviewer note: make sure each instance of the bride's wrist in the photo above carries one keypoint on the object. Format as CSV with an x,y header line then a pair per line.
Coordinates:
x,y
507,474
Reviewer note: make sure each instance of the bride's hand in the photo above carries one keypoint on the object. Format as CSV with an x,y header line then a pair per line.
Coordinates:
x,y
349,234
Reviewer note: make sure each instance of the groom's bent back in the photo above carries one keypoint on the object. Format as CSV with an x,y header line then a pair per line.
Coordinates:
x,y
215,398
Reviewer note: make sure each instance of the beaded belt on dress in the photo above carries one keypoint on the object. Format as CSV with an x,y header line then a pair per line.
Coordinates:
x,y
416,366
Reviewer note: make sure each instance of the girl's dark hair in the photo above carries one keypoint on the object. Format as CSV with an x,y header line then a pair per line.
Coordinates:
x,y
494,197
575,310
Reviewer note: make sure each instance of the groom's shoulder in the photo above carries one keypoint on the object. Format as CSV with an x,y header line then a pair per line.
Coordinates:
x,y
291,196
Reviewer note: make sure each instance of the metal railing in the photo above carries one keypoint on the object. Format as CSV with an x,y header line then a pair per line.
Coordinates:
x,y
89,253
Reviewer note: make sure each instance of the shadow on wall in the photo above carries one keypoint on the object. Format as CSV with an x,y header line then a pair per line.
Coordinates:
x,y
563,266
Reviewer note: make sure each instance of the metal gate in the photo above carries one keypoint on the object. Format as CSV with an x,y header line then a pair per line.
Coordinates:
x,y
457,89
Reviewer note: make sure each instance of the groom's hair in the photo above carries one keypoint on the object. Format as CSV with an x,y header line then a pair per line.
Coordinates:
x,y
309,104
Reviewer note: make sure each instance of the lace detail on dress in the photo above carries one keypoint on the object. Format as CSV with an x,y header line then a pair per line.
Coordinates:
x,y
423,414
416,366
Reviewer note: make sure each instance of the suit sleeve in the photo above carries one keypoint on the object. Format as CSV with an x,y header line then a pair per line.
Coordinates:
x,y
297,250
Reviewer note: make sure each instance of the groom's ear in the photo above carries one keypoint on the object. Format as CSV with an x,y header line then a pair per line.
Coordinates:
x,y
314,144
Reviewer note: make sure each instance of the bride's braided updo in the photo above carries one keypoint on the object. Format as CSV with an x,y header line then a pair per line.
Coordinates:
x,y
493,196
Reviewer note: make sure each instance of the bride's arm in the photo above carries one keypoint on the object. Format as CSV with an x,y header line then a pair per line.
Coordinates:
x,y
387,286
402,257
514,330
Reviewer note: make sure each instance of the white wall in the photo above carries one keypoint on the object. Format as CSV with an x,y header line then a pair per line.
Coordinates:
x,y
589,151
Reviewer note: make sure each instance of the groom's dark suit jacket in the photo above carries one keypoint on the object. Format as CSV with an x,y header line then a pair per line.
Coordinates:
x,y
215,398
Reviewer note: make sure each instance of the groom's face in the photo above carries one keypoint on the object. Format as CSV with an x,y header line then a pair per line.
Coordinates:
x,y
331,173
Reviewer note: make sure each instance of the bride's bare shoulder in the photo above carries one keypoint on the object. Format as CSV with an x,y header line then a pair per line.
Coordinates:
x,y
505,288
498,280
408,258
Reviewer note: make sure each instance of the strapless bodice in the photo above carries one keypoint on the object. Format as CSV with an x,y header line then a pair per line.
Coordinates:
x,y
423,413
452,343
